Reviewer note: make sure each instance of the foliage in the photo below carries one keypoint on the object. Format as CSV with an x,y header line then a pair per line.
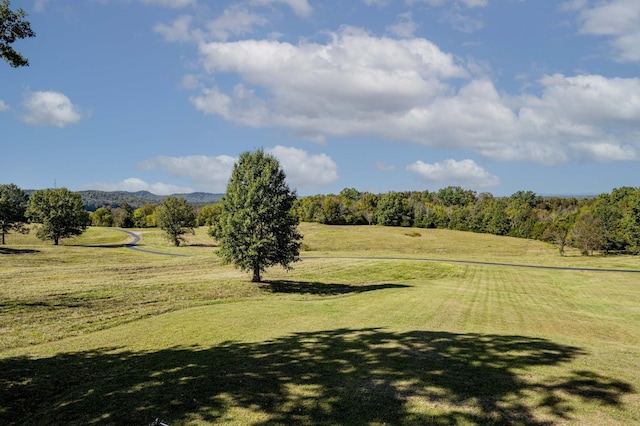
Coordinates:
x,y
257,228
60,213
176,217
93,199
13,27
209,214
523,214
102,217
145,216
123,216
13,204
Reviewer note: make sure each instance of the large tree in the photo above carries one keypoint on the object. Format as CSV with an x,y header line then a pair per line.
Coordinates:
x,y
13,205
176,217
13,27
257,228
60,213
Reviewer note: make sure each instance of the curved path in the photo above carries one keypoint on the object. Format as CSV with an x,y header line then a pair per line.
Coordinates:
x,y
136,240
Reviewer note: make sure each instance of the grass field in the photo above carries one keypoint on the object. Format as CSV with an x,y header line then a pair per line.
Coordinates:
x,y
363,331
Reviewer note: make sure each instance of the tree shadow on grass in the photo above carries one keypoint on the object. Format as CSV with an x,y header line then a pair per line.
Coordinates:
x,y
343,376
7,250
318,288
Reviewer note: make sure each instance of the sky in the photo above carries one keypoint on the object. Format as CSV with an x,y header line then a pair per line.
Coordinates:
x,y
494,96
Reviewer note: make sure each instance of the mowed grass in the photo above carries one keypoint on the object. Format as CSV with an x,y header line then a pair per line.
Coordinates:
x,y
360,332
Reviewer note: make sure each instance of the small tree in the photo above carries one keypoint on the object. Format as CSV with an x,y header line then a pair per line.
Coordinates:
x,y
13,27
13,204
60,213
588,234
257,227
208,215
175,217
103,216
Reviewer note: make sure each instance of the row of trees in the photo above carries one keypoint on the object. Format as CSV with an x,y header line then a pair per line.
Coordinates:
x,y
609,223
60,213
254,223
146,216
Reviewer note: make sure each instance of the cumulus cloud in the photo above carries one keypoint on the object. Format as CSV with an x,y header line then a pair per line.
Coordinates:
x,y
451,172
617,19
304,170
178,30
136,184
357,84
207,173
605,152
3,106
174,4
235,20
405,27
341,85
212,173
299,7
50,108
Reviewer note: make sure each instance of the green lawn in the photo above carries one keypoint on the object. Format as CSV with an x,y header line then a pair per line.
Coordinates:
x,y
360,332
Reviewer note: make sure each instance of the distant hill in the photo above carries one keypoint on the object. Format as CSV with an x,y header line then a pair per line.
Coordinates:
x,y
95,199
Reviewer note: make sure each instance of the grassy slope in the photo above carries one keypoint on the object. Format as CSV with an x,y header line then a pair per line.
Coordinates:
x,y
352,341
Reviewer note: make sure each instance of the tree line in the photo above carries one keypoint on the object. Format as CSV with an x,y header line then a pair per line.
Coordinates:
x,y
608,223
254,224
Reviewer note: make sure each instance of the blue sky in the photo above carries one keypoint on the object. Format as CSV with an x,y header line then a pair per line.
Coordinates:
x,y
378,95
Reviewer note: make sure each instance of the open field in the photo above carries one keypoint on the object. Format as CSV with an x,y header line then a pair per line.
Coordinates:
x,y
360,332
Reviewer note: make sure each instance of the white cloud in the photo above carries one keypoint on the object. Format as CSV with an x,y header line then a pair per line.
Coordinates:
x,y
405,27
315,87
605,152
357,84
136,184
379,3
175,4
451,172
304,170
50,109
617,19
179,30
300,7
455,3
3,106
235,20
462,21
207,173
212,173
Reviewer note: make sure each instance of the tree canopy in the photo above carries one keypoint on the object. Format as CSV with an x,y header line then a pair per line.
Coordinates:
x,y
176,218
13,27
60,213
256,227
13,205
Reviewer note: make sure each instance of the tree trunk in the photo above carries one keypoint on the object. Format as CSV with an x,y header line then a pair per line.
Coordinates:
x,y
256,275
2,237
55,240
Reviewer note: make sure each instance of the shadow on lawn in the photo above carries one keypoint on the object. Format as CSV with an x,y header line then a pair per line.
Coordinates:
x,y
342,376
306,287
7,250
